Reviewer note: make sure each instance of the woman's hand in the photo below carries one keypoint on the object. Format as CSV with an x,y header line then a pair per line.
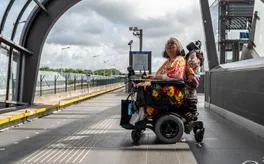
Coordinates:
x,y
149,77
158,77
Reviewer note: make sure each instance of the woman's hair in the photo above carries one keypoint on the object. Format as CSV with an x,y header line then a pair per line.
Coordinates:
x,y
179,51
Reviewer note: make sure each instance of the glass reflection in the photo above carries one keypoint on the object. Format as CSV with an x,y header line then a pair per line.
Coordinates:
x,y
11,18
3,6
12,81
23,20
3,72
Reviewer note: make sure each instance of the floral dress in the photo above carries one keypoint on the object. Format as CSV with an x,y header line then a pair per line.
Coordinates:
x,y
168,94
173,69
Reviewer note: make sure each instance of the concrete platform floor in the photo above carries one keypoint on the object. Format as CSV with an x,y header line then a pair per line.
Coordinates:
x,y
89,132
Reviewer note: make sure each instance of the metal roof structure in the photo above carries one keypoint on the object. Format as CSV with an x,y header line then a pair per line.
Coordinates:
x,y
18,21
232,15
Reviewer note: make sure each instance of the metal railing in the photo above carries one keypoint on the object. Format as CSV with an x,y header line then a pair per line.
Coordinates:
x,y
57,83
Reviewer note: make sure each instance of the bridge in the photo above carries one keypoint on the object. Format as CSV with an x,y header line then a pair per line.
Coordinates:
x,y
78,122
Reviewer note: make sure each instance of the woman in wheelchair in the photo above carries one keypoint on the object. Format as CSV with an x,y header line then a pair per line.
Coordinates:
x,y
165,103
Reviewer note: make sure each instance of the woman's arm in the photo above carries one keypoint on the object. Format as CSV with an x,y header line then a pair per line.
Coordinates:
x,y
161,68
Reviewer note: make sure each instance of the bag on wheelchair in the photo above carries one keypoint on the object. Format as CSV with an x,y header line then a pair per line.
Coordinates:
x,y
127,109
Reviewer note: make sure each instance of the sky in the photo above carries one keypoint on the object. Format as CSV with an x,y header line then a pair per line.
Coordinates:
x,y
97,32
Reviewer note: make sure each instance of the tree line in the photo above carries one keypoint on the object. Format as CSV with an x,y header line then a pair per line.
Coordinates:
x,y
103,72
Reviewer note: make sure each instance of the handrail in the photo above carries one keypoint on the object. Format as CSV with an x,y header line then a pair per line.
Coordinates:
x,y
15,46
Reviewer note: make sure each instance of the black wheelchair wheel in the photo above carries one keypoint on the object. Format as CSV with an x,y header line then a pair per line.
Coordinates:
x,y
198,130
199,134
135,135
169,129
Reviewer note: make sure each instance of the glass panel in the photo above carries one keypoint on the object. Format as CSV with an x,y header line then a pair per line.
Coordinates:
x,y
3,8
229,56
23,21
259,33
214,10
3,72
11,18
12,82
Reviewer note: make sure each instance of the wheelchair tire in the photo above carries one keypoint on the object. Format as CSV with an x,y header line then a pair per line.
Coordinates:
x,y
199,134
135,135
198,131
169,129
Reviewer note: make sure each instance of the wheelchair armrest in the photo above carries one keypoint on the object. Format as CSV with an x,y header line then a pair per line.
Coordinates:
x,y
136,81
178,83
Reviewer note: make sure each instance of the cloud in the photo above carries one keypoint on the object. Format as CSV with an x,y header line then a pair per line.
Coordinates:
x,y
101,28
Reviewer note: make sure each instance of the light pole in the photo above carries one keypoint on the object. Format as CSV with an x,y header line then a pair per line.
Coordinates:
x,y
114,67
130,45
139,33
95,56
104,63
62,49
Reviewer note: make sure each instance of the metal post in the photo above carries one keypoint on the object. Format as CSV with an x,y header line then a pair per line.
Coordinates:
x,y
81,82
209,35
236,48
222,30
55,83
40,84
74,81
140,39
87,82
13,87
88,86
66,82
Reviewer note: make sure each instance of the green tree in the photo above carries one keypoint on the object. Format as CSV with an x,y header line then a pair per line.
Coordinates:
x,y
102,72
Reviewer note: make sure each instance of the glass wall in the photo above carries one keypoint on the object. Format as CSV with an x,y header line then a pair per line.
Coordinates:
x,y
13,76
11,18
3,71
236,17
214,8
23,20
5,48
3,7
259,34
4,59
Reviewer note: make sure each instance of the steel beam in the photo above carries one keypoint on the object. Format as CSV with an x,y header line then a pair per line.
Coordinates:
x,y
14,45
209,35
33,37
222,30
41,6
11,54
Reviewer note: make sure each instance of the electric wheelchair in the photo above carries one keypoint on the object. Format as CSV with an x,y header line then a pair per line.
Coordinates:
x,y
165,112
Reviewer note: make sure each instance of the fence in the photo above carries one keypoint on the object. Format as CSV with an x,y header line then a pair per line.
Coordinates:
x,y
53,82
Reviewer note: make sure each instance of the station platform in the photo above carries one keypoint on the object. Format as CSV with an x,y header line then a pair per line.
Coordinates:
x,y
89,132
47,104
